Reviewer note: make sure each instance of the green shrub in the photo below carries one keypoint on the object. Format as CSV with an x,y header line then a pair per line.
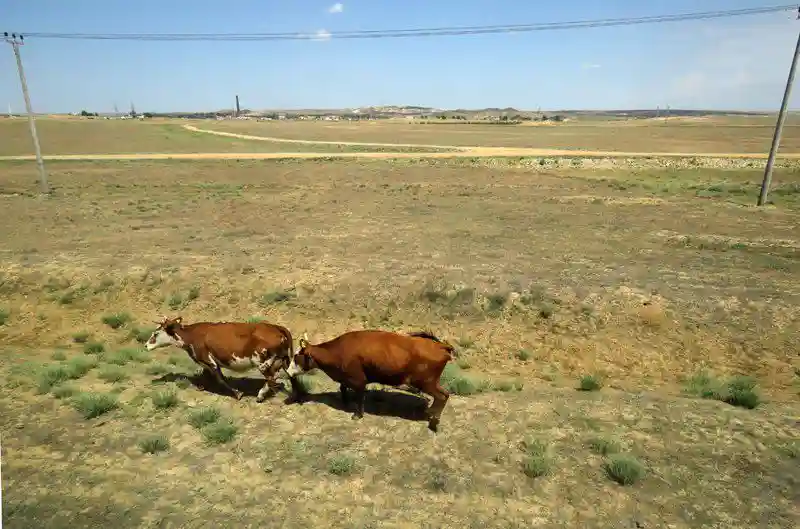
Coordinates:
x,y
51,376
536,462
154,444
590,383
204,416
93,348
91,405
112,374
164,400
124,356
63,391
341,464
4,315
219,432
115,321
624,469
80,337
78,366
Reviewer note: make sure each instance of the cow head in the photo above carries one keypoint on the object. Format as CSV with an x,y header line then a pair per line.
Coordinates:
x,y
302,360
165,334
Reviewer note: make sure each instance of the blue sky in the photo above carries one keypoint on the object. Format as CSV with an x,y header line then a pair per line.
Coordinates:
x,y
738,63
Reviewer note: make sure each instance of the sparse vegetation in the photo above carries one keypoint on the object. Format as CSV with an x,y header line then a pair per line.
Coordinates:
x,y
91,405
165,400
142,334
739,391
603,446
154,444
94,348
50,376
81,337
117,320
590,383
275,297
58,356
204,416
127,355
220,432
78,366
341,464
624,469
112,374
4,315
524,355
536,462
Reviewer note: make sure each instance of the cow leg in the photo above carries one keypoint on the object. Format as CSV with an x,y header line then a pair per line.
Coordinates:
x,y
361,394
270,384
217,371
345,397
440,397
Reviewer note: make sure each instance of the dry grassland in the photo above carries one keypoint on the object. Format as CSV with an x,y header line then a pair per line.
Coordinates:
x,y
99,136
623,278
702,136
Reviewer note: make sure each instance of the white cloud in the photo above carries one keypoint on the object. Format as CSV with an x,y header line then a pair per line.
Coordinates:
x,y
587,66
338,7
322,34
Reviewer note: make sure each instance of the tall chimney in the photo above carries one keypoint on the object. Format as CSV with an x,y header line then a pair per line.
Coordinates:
x,y
237,106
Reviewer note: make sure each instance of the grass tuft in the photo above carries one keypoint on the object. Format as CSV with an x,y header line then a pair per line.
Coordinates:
x,y
58,356
164,400
590,383
341,464
154,444
523,354
204,416
142,334
112,374
739,391
219,432
124,356
81,337
78,366
536,462
93,348
64,392
4,315
91,405
115,321
603,446
624,469
50,377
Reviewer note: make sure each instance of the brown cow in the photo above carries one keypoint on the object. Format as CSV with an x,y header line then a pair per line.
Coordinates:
x,y
358,358
235,346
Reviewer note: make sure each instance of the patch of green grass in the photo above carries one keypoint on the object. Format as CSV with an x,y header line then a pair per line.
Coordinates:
x,y
508,384
142,334
175,301
458,383
51,376
193,293
157,369
220,432
463,363
124,356
91,405
4,315
154,444
523,354
58,356
164,400
63,391
81,337
204,416
624,469
115,321
341,464
739,391
112,374
537,461
78,366
602,446
254,319
93,348
275,297
590,383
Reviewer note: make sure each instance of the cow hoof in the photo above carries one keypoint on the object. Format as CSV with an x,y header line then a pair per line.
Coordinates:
x,y
238,395
260,399
356,417
433,426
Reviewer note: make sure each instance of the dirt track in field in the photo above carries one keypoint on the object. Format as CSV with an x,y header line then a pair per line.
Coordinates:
x,y
457,152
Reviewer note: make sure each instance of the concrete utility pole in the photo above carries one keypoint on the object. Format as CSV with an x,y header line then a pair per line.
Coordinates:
x,y
776,138
16,41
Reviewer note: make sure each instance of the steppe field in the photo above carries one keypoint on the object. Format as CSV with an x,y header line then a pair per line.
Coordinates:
x,y
626,326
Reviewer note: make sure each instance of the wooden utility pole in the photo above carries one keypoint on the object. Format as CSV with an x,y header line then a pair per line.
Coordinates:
x,y
776,138
16,41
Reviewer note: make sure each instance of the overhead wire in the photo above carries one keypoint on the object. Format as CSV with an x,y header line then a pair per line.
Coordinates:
x,y
418,32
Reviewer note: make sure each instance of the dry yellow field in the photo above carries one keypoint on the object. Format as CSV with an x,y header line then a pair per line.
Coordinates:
x,y
650,284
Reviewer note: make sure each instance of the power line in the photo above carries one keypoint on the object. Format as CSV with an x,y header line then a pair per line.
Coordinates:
x,y
419,32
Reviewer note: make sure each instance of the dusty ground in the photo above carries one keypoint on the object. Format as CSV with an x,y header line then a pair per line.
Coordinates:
x,y
540,273
711,136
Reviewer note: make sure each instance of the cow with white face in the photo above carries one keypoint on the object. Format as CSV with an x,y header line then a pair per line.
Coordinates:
x,y
232,345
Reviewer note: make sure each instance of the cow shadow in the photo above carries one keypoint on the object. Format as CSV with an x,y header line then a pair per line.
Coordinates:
x,y
380,402
249,386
